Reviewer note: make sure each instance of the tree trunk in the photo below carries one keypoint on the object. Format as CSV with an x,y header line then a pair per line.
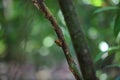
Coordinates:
x,y
79,42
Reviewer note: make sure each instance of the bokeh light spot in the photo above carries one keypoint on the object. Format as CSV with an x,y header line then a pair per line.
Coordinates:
x,y
92,32
103,46
48,41
103,76
44,51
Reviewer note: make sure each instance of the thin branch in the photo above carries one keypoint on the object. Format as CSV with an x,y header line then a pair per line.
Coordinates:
x,y
61,41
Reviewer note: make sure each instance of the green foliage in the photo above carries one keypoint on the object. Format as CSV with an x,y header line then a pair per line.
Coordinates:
x,y
105,9
117,23
26,31
110,50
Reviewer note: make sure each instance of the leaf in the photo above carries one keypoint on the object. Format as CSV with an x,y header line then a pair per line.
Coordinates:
x,y
117,23
98,56
110,50
105,9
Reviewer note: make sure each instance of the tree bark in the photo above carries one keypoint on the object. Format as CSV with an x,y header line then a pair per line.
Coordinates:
x,y
78,39
60,41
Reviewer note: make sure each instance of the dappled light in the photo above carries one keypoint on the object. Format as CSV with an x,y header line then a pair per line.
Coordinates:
x,y
48,41
59,40
103,46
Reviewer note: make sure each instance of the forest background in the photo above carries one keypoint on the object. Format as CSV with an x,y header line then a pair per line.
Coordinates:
x,y
28,50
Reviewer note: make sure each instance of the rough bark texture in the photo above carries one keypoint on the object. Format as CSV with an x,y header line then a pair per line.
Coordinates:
x,y
79,42
60,41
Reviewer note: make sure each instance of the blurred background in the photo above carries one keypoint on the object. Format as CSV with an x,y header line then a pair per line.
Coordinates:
x,y
27,48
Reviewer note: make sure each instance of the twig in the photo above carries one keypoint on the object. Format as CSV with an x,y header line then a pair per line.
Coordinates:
x,y
61,41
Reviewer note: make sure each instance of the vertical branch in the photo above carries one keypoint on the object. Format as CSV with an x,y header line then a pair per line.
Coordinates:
x,y
61,41
79,42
